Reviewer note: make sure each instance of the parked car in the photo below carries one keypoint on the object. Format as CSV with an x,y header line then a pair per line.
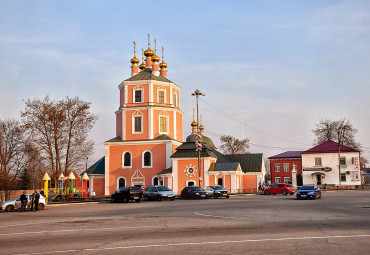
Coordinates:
x,y
280,188
126,194
158,192
193,192
15,204
217,191
308,191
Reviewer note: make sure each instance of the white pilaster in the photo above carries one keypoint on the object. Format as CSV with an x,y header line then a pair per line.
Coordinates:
x,y
233,182
175,187
174,125
168,153
123,124
106,175
171,95
207,164
150,122
91,185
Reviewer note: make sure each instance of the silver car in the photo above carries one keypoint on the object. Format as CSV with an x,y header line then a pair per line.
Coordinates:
x,y
217,191
15,204
158,192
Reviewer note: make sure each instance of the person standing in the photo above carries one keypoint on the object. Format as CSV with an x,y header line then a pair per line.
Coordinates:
x,y
23,199
36,200
32,200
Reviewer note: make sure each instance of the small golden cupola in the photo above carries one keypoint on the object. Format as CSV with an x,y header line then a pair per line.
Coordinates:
x,y
163,66
142,65
155,58
194,124
149,53
134,62
201,128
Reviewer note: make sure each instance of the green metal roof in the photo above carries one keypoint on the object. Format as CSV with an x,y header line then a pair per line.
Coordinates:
x,y
97,168
248,162
147,75
231,166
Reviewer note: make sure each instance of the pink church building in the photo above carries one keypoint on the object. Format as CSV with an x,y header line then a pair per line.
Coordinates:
x,y
148,148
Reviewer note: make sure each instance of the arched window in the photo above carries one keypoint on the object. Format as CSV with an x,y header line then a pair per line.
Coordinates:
x,y
219,181
126,159
155,181
147,159
121,182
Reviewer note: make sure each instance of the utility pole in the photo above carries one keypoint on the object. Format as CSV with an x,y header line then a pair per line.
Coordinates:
x,y
198,93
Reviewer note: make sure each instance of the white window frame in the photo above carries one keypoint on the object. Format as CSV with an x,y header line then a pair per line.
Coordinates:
x,y
123,159
276,179
137,114
187,182
286,179
277,169
134,92
316,161
117,182
155,176
175,99
167,124
286,167
164,95
151,159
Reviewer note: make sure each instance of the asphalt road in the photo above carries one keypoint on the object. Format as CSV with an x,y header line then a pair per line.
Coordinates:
x,y
339,223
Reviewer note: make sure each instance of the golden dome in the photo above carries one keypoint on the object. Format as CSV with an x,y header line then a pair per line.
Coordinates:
x,y
142,66
163,65
135,60
201,127
155,58
194,123
149,52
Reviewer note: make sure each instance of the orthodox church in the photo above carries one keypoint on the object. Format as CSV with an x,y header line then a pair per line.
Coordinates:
x,y
149,149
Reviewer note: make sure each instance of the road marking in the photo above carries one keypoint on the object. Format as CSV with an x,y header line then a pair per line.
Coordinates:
x,y
199,243
72,230
216,216
63,221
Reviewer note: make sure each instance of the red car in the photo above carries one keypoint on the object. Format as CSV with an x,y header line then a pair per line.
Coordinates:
x,y
280,188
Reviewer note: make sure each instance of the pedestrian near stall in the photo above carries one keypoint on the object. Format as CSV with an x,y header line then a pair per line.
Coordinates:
x,y
36,200
23,199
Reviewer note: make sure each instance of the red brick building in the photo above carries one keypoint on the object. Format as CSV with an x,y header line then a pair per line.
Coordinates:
x,y
281,166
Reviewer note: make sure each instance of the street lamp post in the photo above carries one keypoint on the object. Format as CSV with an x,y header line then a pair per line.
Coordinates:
x,y
198,93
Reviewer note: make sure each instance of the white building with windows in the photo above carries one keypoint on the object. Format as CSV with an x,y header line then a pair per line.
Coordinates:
x,y
320,165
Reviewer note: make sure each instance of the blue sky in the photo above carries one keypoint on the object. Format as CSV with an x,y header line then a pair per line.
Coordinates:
x,y
277,66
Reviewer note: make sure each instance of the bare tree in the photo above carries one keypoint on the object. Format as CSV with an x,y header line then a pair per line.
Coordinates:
x,y
60,128
12,156
340,131
232,145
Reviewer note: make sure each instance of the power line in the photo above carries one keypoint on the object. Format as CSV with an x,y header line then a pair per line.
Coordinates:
x,y
256,129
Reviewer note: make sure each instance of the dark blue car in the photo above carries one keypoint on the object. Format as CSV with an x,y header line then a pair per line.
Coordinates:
x,y
309,191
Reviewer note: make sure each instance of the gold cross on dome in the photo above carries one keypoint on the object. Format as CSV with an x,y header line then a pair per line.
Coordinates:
x,y
148,39
134,47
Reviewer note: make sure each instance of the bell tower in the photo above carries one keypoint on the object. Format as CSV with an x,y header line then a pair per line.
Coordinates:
x,y
149,102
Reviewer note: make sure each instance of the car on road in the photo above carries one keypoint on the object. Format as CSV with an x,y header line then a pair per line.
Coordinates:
x,y
309,191
15,204
280,188
217,191
158,192
126,194
193,192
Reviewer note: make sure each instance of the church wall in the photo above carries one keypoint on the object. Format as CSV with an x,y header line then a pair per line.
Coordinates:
x,y
184,176
179,130
119,124
129,124
249,184
145,94
121,96
158,163
227,184
99,186
156,115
